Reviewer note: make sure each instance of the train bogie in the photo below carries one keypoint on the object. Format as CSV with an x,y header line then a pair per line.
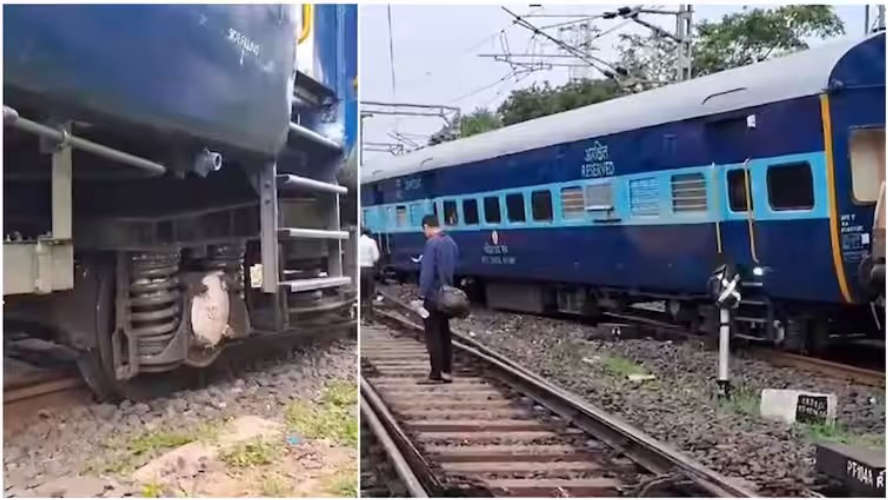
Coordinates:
x,y
185,207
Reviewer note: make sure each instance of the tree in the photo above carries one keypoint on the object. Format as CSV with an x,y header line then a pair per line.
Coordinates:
x,y
736,40
541,100
478,121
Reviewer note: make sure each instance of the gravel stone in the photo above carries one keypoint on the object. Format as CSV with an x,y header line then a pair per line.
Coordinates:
x,y
680,407
57,449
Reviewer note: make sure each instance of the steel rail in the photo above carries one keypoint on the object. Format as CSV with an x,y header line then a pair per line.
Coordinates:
x,y
418,465
12,118
631,441
402,468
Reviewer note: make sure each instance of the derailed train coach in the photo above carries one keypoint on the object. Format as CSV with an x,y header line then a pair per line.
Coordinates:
x,y
170,179
776,168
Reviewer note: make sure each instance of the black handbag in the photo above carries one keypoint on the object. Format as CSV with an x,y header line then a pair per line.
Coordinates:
x,y
453,302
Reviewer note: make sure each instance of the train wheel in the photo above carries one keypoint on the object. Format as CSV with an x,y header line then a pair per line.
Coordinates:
x,y
817,340
96,365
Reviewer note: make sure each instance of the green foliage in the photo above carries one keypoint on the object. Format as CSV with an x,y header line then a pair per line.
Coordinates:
x,y
621,366
754,35
343,484
334,417
477,122
838,433
743,400
250,454
152,490
737,39
274,486
542,100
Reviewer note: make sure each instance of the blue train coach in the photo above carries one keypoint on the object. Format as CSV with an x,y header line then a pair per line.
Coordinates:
x,y
170,180
775,167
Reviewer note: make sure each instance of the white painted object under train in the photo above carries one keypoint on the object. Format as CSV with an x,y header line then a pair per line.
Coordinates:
x,y
209,310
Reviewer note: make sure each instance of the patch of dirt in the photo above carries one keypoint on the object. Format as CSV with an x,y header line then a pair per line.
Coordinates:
x,y
177,444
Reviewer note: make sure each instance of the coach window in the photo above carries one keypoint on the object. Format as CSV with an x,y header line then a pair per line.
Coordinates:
x,y
470,212
790,186
492,210
737,190
401,215
515,207
365,220
451,218
541,205
867,163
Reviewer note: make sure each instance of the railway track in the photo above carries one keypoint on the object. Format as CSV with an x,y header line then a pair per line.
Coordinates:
x,y
501,430
660,328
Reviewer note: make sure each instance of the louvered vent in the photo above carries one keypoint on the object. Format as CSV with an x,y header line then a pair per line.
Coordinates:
x,y
688,193
572,203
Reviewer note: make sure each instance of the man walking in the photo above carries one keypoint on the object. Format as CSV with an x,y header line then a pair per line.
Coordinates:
x,y
368,256
438,263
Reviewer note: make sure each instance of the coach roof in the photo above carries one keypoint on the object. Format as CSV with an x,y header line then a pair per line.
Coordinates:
x,y
796,75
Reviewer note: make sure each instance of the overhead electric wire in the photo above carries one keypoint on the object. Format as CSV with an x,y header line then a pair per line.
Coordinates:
x,y
485,87
391,51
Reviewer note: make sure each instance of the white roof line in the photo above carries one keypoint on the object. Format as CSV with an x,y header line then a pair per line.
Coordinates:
x,y
796,75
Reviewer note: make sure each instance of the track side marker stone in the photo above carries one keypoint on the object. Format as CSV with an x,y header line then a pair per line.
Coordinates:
x,y
793,406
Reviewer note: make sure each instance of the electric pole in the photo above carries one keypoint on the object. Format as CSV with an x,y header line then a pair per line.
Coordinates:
x,y
683,22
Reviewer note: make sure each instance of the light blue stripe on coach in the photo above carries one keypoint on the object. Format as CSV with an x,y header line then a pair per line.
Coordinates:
x,y
638,199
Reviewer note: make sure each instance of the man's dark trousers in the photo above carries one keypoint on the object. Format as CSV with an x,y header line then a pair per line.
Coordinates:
x,y
368,287
437,332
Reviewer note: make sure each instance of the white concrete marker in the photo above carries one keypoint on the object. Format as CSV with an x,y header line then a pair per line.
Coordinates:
x,y
791,406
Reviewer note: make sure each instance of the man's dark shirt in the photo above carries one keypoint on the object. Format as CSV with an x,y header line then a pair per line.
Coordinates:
x,y
438,263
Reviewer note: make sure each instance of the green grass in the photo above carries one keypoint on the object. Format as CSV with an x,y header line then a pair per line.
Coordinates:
x,y
151,442
343,484
743,400
333,417
129,451
152,490
250,454
621,366
275,487
838,433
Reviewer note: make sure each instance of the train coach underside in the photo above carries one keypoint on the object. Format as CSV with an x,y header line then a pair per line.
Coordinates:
x,y
149,274
657,273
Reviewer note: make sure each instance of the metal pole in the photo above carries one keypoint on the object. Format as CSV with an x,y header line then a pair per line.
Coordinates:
x,y
683,22
310,135
724,339
866,21
12,118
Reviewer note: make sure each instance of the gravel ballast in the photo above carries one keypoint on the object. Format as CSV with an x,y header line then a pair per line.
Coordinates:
x,y
73,442
678,406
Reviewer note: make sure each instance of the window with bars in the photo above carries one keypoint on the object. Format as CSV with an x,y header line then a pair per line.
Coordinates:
x,y
401,216
572,203
644,197
689,193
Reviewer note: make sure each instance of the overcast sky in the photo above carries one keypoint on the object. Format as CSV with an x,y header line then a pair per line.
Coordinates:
x,y
436,58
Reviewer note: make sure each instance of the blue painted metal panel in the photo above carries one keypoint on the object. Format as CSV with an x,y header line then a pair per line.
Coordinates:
x,y
671,252
216,73
336,50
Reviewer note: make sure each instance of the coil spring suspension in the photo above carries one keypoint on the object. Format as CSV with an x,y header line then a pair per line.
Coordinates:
x,y
155,300
229,259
